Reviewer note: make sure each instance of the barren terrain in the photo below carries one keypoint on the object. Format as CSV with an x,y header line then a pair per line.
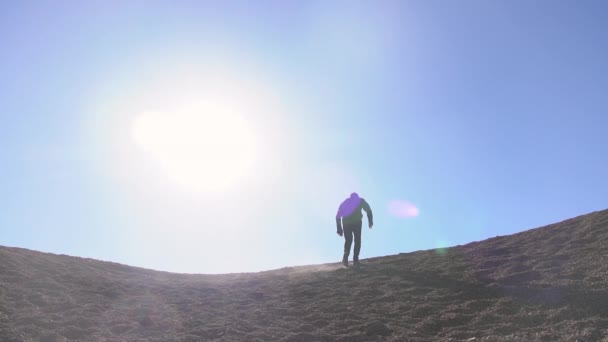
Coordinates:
x,y
545,284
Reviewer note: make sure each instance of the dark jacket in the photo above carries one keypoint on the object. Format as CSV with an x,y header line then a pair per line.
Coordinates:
x,y
350,212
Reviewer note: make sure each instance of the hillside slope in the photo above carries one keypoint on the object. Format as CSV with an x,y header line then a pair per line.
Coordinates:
x,y
545,284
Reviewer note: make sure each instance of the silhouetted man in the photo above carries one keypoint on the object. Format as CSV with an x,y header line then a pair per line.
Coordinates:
x,y
349,216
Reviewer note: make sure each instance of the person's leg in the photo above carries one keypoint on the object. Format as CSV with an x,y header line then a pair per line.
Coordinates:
x,y
348,240
357,232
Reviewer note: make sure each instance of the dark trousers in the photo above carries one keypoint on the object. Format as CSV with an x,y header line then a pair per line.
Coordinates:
x,y
352,229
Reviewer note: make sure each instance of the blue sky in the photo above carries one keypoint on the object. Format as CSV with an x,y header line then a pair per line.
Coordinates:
x,y
488,116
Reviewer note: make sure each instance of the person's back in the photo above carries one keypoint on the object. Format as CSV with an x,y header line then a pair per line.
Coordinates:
x,y
349,221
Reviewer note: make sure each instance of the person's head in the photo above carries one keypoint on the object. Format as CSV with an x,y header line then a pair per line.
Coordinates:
x,y
354,195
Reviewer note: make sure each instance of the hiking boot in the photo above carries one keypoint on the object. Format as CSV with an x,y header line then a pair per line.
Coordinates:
x,y
356,263
345,262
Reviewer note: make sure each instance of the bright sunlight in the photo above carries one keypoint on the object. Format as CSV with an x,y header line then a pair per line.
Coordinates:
x,y
207,147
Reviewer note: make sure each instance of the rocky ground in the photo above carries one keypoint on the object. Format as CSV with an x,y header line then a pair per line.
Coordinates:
x,y
545,284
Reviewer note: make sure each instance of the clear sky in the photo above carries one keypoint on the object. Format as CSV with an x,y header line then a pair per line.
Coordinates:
x,y
489,117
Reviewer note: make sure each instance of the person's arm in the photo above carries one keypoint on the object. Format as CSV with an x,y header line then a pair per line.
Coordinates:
x,y
368,211
339,221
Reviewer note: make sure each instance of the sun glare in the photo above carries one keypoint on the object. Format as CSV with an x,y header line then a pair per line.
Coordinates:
x,y
206,148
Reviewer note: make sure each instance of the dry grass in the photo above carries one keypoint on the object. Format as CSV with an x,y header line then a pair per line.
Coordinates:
x,y
546,284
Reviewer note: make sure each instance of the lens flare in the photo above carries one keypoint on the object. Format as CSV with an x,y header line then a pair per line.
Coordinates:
x,y
442,247
399,208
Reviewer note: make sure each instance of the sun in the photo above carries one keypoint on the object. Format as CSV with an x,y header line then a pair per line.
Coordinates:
x,y
207,147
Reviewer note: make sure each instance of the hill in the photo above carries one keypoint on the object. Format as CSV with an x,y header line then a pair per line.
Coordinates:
x,y
545,284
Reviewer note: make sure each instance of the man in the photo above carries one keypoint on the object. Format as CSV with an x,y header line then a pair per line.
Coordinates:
x,y
349,222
